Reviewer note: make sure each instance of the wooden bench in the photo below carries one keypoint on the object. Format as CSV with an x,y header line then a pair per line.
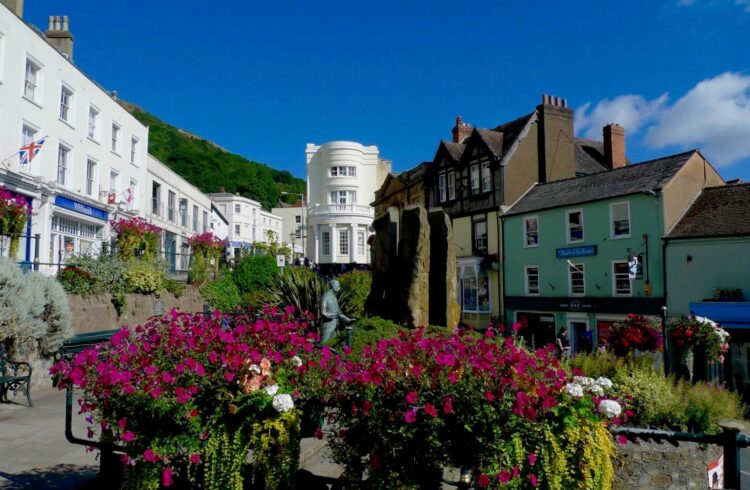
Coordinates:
x,y
12,378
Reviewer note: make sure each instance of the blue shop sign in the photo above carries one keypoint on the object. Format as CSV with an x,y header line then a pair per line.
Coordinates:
x,y
566,253
79,207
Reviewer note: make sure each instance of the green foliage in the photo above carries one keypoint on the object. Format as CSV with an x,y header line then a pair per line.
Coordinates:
x,y
56,315
254,272
272,247
299,287
705,405
120,302
76,280
222,294
255,300
367,331
655,399
207,166
177,288
106,270
145,276
608,364
355,287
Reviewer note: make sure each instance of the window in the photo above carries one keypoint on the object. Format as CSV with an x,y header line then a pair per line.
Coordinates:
x,y
486,178
156,199
475,289
343,171
480,237
576,279
90,177
66,101
344,242
360,243
132,197
343,197
63,154
237,230
442,188
451,186
474,171
133,150
532,280
28,134
31,81
205,221
171,201
93,122
619,216
531,232
298,219
236,208
575,226
621,283
115,138
114,182
195,218
325,238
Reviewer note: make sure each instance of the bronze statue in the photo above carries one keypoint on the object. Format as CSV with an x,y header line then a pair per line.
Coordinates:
x,y
330,312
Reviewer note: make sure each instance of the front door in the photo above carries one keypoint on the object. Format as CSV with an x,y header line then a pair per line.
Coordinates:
x,y
579,335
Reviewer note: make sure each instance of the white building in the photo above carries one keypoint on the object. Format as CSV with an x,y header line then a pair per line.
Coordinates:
x,y
178,208
248,222
219,223
342,177
92,166
293,227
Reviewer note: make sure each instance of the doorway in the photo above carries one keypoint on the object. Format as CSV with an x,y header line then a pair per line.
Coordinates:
x,y
579,334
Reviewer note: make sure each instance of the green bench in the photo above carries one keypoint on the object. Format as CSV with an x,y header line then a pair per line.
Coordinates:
x,y
14,375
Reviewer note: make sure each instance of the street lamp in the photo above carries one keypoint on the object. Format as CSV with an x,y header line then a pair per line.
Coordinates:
x,y
304,211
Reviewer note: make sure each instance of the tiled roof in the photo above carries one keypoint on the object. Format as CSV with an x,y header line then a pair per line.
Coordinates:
x,y
511,130
454,149
493,139
630,179
718,211
589,156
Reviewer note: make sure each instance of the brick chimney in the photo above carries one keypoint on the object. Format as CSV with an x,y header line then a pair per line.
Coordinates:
x,y
555,140
59,36
16,6
461,130
614,146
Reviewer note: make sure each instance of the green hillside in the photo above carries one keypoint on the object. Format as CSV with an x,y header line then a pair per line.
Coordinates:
x,y
209,167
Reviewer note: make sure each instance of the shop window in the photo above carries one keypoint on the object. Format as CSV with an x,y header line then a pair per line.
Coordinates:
x,y
475,289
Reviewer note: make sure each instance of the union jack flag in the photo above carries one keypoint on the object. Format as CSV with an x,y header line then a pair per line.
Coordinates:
x,y
31,150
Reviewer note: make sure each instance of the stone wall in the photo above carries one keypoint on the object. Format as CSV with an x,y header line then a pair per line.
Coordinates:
x,y
648,465
96,312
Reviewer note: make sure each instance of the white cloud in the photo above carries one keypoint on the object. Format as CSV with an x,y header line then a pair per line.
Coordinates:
x,y
629,111
714,116
744,3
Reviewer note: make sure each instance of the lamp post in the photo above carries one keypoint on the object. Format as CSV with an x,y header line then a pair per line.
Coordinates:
x,y
304,211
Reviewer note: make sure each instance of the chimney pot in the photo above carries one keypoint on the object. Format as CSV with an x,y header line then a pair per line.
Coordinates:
x,y
459,121
614,146
65,23
460,131
51,23
57,22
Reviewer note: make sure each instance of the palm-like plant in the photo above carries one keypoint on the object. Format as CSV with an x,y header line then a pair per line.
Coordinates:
x,y
301,288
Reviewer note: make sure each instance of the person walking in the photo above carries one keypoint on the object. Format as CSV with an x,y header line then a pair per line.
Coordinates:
x,y
563,343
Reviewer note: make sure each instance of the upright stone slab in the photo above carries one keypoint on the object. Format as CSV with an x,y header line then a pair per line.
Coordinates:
x,y
383,265
411,304
444,309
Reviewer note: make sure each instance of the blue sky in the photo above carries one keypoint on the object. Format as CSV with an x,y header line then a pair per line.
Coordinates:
x,y
264,78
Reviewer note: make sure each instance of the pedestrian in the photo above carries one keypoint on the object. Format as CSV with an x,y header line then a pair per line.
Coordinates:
x,y
563,344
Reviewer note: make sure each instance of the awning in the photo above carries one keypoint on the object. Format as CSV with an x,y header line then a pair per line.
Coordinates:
x,y
726,314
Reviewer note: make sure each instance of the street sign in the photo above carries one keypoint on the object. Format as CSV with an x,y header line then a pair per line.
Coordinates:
x,y
281,260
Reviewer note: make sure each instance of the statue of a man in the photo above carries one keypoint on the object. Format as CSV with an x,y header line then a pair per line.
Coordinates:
x,y
330,312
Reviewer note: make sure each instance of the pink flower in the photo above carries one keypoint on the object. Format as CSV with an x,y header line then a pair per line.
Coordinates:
x,y
122,422
410,416
532,458
483,481
411,397
366,406
150,456
516,327
429,409
166,477
504,476
318,434
448,406
490,397
195,458
622,439
532,479
128,436
445,359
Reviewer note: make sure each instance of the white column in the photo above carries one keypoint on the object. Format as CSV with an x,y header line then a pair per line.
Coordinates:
x,y
352,243
334,243
316,245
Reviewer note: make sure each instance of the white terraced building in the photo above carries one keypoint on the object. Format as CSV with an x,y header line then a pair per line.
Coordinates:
x,y
247,221
342,177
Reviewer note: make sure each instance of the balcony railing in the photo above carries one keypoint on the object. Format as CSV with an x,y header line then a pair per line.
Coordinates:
x,y
341,209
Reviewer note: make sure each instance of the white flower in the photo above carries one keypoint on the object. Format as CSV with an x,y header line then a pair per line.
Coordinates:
x,y
283,403
583,380
574,389
596,390
610,408
272,390
255,369
605,383
297,361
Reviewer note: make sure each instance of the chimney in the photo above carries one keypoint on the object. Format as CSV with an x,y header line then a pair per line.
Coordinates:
x,y
614,146
59,36
16,6
555,139
460,131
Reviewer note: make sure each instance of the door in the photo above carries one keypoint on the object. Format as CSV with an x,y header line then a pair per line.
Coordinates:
x,y
581,338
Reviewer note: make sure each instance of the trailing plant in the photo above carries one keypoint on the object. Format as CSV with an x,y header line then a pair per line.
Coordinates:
x,y
120,302
222,294
177,288
14,212
355,287
206,251
702,333
136,237
254,272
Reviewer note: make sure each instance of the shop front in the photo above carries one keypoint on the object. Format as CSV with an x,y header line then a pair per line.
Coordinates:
x,y
76,228
475,291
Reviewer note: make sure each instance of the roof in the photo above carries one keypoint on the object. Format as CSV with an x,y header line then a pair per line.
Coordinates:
x,y
493,139
589,155
718,211
454,149
650,175
511,130
296,204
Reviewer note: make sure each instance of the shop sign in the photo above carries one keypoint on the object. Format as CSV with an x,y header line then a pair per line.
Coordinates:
x,y
78,207
584,251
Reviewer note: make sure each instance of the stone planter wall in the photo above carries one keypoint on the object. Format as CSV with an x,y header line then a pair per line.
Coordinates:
x,y
648,465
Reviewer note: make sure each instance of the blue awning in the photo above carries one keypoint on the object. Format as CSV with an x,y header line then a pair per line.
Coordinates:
x,y
726,314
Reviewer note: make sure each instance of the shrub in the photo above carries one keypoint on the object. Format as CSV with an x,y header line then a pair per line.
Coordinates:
x,y
299,287
15,321
107,270
654,397
367,331
56,316
145,276
76,280
608,364
177,288
207,250
704,405
222,294
255,300
355,287
253,272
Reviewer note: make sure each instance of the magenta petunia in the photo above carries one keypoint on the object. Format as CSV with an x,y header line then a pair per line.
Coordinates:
x,y
411,397
410,416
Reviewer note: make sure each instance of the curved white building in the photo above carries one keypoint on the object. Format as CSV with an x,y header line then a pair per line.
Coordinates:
x,y
342,177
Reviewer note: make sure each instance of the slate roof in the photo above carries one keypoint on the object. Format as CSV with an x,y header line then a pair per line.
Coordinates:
x,y
454,149
511,130
630,179
493,139
718,211
589,156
